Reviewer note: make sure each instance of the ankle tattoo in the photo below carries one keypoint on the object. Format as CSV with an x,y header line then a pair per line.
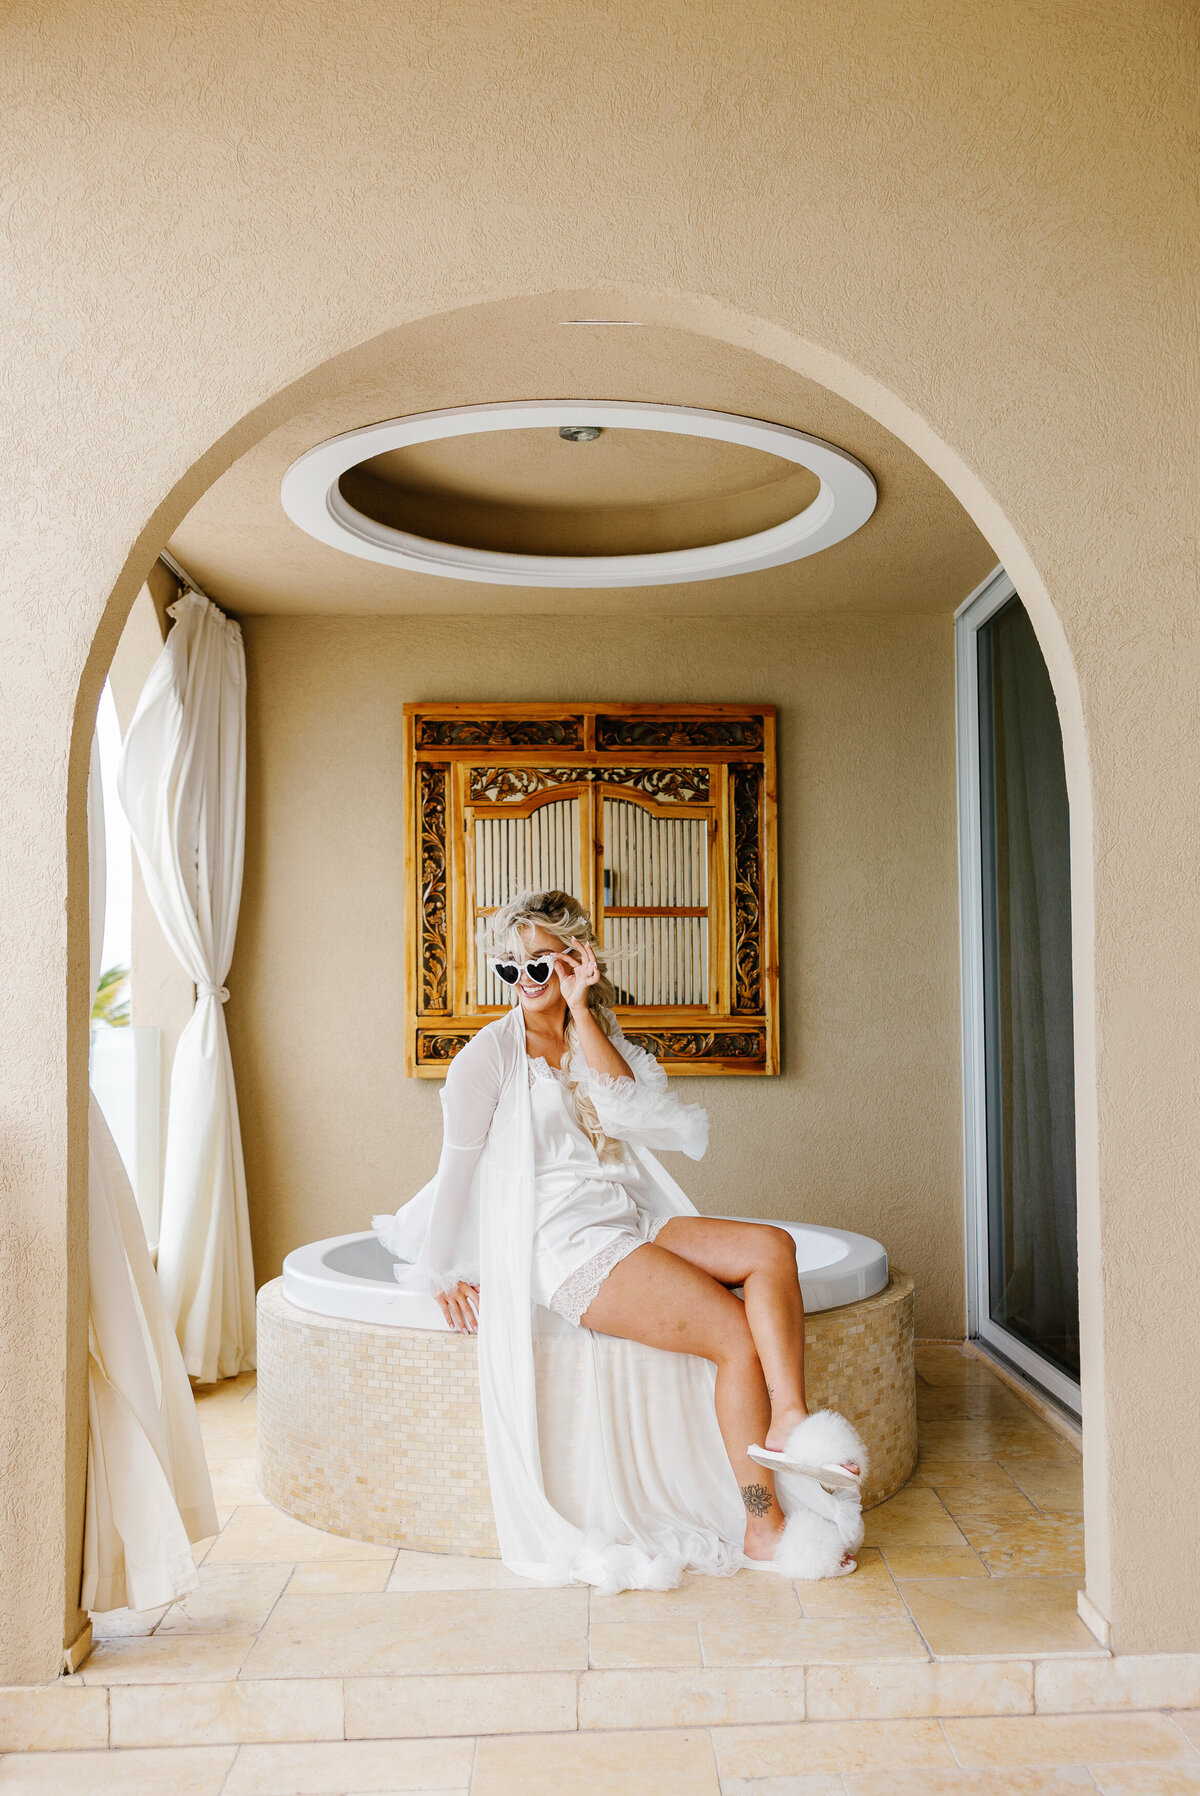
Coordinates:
x,y
757,1498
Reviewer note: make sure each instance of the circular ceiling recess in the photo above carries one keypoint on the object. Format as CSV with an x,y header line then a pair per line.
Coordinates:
x,y
657,495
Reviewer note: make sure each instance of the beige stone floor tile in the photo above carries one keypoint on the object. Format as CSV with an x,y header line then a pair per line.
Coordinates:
x,y
167,1659
1067,1740
1147,1780
38,1717
396,1632
900,1690
870,1591
963,1478
1032,1440
821,1641
246,1709
991,1402
1130,1681
821,1783
338,1577
452,1571
1062,1780
168,1771
983,1437
949,1366
615,1645
383,1708
841,1746
985,1617
912,1518
231,1435
127,1624
1053,1485
233,1599
329,1768
934,1562
691,1698
966,1502
261,1534
749,1595
1026,1545
1134,1680
674,1763
234,1482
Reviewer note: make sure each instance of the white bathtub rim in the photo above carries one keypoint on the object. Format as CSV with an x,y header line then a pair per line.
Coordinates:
x,y
857,1268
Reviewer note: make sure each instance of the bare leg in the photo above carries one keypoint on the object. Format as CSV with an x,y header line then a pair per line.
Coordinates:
x,y
664,1301
763,1261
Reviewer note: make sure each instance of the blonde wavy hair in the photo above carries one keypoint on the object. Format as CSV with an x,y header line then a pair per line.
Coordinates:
x,y
562,916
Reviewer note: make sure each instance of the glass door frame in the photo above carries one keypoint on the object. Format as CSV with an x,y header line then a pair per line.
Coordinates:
x,y
975,611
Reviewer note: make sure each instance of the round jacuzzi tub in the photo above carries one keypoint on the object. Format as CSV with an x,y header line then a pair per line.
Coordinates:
x,y
368,1404
351,1276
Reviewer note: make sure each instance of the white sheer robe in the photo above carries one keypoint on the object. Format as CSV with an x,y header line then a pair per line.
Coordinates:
x,y
604,1457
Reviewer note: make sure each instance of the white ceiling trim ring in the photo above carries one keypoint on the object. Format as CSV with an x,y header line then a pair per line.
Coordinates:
x,y
312,498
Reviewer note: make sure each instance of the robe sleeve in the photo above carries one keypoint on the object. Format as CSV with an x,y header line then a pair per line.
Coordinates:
x,y
641,1110
448,1250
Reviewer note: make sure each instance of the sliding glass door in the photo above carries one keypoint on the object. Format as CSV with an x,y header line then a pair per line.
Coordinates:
x,y
1018,1021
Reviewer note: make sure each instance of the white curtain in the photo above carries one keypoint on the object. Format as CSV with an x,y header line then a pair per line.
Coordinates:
x,y
148,1489
182,783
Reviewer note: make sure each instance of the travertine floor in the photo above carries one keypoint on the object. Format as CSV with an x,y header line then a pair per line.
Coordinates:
x,y
953,1660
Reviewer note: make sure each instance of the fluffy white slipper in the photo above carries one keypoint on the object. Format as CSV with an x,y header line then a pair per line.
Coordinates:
x,y
819,1448
810,1547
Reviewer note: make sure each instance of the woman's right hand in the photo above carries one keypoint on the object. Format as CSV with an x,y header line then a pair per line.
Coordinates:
x,y
460,1307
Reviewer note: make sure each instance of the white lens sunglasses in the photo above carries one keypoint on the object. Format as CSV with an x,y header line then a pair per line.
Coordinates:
x,y
538,969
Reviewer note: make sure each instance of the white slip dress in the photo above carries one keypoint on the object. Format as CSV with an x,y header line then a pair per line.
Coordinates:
x,y
586,1214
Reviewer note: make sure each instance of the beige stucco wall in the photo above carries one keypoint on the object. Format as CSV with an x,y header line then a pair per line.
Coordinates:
x,y
863,1128
976,223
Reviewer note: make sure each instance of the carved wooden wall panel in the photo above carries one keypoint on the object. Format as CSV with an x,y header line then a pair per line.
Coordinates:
x,y
661,819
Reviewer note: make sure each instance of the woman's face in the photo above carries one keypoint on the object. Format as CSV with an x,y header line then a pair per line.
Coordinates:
x,y
539,1000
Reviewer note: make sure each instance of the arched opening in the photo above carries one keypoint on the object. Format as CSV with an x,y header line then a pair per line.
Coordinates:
x,y
844,615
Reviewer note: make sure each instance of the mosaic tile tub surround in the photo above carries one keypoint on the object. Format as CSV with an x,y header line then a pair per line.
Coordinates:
x,y
375,1433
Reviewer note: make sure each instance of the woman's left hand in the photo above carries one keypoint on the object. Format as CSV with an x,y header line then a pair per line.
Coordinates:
x,y
575,975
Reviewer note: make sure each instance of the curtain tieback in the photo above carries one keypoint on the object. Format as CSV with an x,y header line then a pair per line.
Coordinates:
x,y
206,989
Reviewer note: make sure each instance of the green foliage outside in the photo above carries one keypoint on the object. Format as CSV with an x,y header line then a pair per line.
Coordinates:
x,y
112,998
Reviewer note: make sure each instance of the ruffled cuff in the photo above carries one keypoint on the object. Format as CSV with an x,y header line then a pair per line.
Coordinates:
x,y
643,1112
419,1275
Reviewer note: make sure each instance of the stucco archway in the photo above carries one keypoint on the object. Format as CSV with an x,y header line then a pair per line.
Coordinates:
x,y
718,324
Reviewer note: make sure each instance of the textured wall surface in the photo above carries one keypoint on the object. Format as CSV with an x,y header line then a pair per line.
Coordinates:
x,y
862,1130
977,223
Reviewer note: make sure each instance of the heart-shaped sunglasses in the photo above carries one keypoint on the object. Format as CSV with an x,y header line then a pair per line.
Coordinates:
x,y
538,969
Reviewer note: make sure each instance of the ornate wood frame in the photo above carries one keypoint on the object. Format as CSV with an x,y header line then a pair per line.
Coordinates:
x,y
715,762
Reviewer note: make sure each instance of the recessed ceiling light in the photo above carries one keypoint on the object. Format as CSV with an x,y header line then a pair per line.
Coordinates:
x,y
579,433
312,496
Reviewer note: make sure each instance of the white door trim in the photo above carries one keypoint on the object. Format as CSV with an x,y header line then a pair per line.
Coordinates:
x,y
971,615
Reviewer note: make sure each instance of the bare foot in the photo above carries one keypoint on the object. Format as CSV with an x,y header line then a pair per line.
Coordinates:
x,y
762,1537
779,1433
781,1427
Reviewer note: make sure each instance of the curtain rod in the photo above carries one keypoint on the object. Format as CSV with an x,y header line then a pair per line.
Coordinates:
x,y
182,575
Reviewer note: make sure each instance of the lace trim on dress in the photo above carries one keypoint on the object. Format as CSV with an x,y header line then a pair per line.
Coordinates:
x,y
571,1299
540,1068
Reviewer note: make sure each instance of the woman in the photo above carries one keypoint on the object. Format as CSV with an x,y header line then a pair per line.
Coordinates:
x,y
552,1231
